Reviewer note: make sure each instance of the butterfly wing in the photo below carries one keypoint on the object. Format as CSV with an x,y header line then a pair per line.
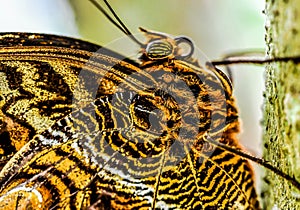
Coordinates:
x,y
96,130
42,78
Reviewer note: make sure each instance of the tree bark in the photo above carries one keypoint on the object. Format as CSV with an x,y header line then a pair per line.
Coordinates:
x,y
282,104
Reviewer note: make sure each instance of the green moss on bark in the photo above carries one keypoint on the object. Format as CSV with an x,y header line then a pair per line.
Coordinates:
x,y
282,104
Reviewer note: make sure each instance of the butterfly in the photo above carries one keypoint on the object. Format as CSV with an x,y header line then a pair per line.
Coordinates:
x,y
104,131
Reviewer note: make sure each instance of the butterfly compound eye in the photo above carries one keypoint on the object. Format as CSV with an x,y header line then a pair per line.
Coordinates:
x,y
159,49
186,45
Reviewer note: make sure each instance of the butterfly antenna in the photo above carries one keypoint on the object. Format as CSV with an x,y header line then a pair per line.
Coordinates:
x,y
259,61
117,22
117,17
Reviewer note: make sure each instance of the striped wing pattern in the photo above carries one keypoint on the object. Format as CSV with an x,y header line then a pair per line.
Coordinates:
x,y
84,130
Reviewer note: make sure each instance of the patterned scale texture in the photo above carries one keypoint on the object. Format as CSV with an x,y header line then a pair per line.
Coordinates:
x,y
81,129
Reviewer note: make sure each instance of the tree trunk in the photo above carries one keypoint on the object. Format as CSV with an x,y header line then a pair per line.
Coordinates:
x,y
282,104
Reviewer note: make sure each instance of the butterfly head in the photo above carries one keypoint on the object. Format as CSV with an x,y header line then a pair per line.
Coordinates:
x,y
161,46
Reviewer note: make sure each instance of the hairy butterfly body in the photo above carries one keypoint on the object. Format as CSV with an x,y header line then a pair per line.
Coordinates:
x,y
85,129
